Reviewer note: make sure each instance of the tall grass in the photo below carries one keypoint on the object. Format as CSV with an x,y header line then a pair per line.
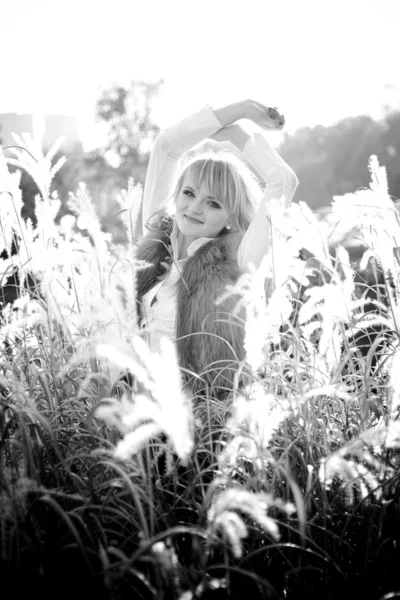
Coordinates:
x,y
112,490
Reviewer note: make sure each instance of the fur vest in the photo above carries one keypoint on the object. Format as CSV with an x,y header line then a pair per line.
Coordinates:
x,y
209,328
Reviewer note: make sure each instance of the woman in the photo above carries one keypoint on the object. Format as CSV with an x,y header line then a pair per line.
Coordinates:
x,y
218,228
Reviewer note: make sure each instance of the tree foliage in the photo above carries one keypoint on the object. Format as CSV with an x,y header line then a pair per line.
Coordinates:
x,y
131,130
128,114
333,160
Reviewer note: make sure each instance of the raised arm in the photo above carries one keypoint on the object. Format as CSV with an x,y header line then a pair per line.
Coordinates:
x,y
280,180
280,185
172,143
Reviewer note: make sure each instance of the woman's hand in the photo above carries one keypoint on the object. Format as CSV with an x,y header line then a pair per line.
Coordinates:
x,y
264,116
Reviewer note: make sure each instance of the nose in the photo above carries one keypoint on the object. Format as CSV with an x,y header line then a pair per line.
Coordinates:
x,y
196,206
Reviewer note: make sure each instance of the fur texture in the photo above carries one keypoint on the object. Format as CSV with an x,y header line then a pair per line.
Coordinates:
x,y
209,335
153,254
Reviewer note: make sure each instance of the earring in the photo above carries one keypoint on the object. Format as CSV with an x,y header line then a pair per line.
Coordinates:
x,y
228,227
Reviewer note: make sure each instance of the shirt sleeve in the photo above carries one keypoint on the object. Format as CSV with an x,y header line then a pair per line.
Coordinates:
x,y
170,145
281,183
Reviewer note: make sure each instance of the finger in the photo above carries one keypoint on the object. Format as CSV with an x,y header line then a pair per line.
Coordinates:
x,y
273,113
276,124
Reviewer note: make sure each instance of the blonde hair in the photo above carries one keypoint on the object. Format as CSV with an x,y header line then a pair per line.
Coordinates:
x,y
229,180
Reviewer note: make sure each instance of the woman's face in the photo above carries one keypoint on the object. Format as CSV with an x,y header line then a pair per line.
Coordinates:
x,y
198,212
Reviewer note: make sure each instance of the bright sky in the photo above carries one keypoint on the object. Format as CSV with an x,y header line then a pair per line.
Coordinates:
x,y
317,60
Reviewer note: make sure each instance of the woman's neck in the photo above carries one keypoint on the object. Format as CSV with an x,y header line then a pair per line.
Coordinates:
x,y
183,244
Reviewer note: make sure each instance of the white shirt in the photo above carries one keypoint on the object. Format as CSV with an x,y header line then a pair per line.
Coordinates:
x,y
159,304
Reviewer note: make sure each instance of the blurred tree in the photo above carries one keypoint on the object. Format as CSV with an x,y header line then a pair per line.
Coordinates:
x,y
331,161
127,113
131,132
131,128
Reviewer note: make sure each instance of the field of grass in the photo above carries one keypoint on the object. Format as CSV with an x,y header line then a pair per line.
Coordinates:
x,y
287,489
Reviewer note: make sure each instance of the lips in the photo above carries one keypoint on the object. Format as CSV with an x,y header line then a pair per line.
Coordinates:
x,y
193,220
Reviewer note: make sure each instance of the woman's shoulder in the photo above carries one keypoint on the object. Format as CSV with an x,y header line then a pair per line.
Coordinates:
x,y
232,242
225,246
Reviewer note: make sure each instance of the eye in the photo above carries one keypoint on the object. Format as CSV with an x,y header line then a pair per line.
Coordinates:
x,y
214,204
188,193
